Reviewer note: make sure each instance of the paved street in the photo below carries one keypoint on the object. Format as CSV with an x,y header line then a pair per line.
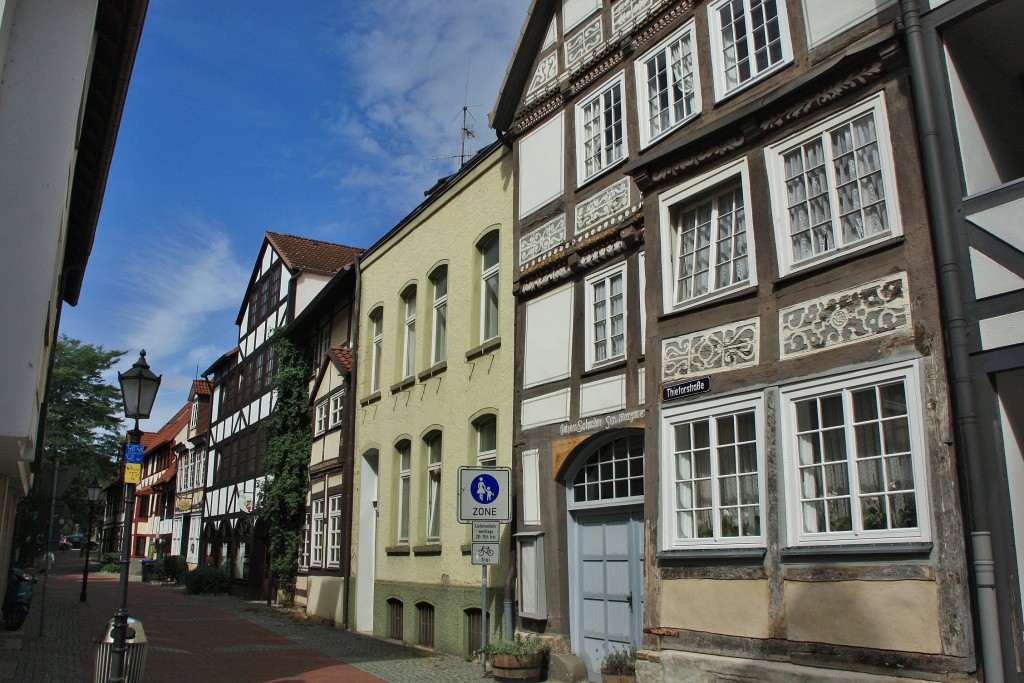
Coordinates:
x,y
202,638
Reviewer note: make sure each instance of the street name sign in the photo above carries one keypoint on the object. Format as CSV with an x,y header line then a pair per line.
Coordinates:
x,y
485,495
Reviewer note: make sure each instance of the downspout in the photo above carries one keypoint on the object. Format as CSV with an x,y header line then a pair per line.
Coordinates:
x,y
956,328
348,459
510,579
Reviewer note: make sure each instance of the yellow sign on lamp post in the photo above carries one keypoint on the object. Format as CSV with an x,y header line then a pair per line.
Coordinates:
x,y
133,453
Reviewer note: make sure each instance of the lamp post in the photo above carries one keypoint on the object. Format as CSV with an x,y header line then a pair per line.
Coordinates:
x,y
138,388
93,491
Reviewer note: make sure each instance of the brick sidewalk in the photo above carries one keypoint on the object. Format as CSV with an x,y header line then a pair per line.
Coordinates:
x,y
203,639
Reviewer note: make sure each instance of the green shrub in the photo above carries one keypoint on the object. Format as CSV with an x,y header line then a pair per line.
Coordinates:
x,y
110,558
207,580
111,568
171,568
520,645
621,661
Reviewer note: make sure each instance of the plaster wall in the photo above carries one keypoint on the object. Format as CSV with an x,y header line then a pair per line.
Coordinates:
x,y
46,50
717,606
475,381
887,615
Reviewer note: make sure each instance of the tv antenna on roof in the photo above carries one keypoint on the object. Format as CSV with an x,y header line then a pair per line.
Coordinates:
x,y
467,132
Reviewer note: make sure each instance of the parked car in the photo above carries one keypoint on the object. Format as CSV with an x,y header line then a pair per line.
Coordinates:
x,y
76,541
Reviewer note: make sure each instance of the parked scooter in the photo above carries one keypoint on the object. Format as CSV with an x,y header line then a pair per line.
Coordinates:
x,y
18,598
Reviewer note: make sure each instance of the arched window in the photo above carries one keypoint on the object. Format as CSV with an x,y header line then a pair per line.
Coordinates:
x,y
409,341
434,444
486,441
396,619
376,342
404,461
489,266
425,612
615,470
439,332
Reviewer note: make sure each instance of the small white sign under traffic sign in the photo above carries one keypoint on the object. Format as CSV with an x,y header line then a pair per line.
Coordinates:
x,y
485,494
486,532
486,553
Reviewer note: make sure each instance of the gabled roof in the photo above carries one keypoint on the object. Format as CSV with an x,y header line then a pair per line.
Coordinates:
x,y
172,428
340,358
200,387
518,72
220,361
302,253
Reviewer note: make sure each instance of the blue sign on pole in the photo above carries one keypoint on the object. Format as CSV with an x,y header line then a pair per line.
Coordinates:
x,y
133,453
485,489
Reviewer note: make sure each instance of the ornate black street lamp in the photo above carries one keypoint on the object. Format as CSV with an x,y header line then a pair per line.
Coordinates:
x,y
93,491
138,387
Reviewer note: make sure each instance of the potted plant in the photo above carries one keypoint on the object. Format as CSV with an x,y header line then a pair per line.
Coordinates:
x,y
518,659
619,666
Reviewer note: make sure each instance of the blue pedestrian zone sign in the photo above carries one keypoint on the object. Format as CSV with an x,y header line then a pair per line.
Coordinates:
x,y
485,494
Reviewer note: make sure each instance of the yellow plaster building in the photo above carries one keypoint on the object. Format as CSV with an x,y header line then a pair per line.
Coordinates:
x,y
434,388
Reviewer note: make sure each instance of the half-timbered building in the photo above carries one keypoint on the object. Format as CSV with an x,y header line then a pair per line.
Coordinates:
x,y
734,433
190,480
324,332
154,497
288,273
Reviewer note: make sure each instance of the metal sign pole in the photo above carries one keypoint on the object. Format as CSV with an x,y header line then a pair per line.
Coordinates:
x,y
483,614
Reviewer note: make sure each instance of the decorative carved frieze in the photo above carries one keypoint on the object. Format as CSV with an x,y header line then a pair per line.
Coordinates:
x,y
542,109
712,350
602,205
583,43
547,71
652,30
542,240
627,13
833,92
876,308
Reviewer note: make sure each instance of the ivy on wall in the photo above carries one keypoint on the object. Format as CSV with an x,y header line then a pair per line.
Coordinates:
x,y
282,503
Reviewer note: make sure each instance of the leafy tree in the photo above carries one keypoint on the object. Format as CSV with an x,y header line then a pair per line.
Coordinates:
x,y
83,424
282,504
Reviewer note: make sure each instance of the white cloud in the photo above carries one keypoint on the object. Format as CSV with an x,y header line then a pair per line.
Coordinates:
x,y
190,280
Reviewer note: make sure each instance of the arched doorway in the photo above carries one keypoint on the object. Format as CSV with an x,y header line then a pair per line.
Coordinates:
x,y
604,497
367,560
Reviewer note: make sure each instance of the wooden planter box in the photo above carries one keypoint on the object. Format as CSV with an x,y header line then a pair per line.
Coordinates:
x,y
517,668
618,678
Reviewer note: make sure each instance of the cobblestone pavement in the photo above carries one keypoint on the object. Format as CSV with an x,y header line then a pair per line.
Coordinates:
x,y
203,639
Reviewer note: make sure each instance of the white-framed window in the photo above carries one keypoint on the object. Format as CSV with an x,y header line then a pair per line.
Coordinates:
x,y
317,535
434,487
321,417
854,453
334,532
306,529
337,408
490,263
708,250
749,40
713,494
606,316
833,186
668,85
409,342
487,441
600,130
439,335
377,343
194,421
404,484
641,260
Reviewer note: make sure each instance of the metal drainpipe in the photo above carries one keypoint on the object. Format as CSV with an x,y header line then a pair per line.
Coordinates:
x,y
949,278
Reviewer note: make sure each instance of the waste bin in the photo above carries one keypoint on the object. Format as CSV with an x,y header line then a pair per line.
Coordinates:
x,y
134,656
147,569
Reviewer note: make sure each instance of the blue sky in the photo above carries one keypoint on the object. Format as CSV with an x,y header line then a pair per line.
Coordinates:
x,y
320,119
